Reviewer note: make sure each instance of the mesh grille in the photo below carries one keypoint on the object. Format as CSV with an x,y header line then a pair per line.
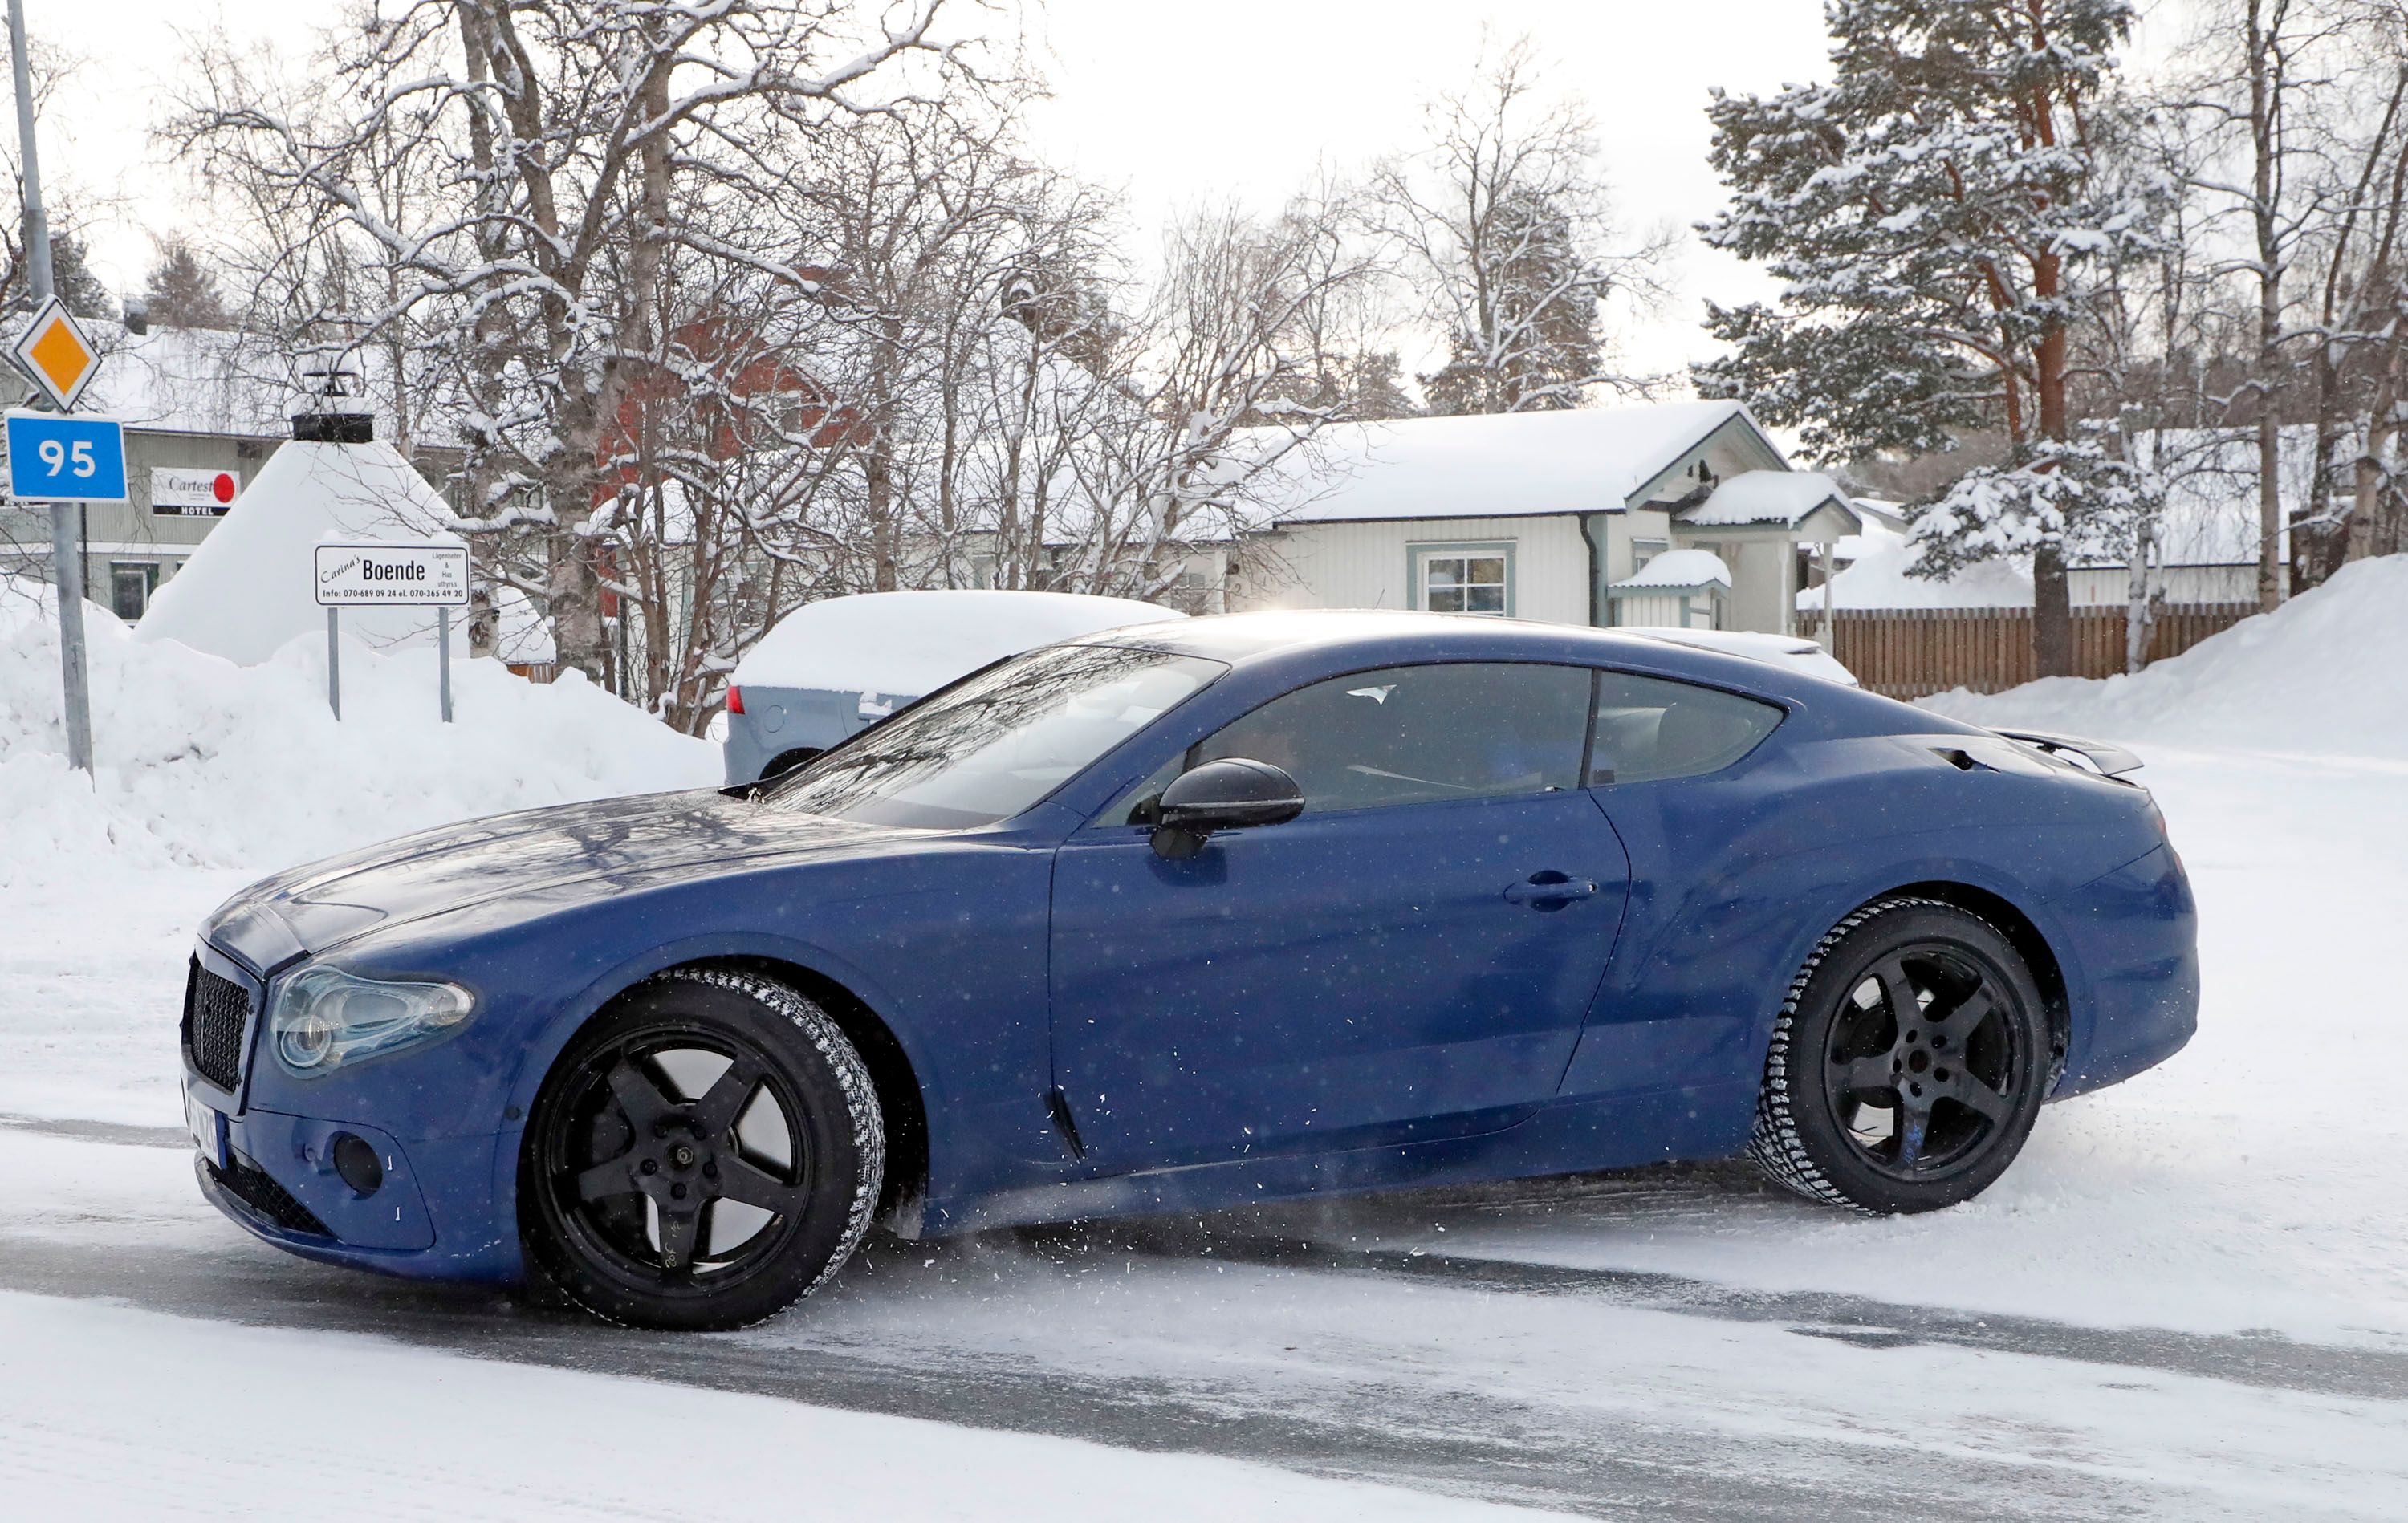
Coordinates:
x,y
216,1010
251,1186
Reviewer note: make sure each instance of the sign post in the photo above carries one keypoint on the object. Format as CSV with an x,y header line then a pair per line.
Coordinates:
x,y
66,461
60,364
388,573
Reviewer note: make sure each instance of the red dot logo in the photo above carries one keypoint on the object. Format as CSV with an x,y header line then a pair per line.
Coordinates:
x,y
222,488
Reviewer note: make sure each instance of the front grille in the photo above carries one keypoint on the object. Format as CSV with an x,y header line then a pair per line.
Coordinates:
x,y
216,1011
250,1185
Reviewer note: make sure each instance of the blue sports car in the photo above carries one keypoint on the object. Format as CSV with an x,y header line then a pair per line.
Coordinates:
x,y
1183,916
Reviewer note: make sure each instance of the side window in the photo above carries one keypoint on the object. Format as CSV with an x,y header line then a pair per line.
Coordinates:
x,y
1417,735
1648,729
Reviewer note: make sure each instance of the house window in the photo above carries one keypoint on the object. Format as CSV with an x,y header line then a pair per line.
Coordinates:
x,y
1464,578
129,586
1645,550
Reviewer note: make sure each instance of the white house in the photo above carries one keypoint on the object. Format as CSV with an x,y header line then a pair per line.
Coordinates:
x,y
1551,516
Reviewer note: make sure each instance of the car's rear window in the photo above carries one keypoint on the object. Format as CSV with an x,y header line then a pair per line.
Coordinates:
x,y
1649,729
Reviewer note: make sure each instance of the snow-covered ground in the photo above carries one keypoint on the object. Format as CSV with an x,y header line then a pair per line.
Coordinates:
x,y
2189,1299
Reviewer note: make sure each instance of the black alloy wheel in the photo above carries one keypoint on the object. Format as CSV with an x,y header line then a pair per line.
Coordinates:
x,y
708,1151
1907,1066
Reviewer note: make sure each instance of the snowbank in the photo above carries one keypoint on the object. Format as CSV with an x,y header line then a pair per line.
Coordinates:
x,y
2326,672
912,643
202,763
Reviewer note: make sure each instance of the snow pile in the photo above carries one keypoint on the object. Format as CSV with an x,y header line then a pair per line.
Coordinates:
x,y
1877,579
250,587
202,763
911,643
2326,672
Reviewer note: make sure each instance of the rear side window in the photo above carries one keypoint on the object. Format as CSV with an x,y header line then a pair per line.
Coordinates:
x,y
1649,729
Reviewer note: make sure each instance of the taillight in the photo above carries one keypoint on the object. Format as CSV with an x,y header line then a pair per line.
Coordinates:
x,y
735,699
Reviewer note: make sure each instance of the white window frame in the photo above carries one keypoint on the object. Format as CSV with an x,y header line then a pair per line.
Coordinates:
x,y
1417,573
1645,550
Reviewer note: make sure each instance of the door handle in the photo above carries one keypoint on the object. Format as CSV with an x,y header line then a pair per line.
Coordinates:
x,y
1548,890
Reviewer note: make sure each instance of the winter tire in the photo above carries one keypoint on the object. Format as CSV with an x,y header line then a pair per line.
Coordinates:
x,y
707,1152
1907,1062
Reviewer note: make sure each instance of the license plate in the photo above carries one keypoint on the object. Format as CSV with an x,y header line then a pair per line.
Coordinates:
x,y
208,1130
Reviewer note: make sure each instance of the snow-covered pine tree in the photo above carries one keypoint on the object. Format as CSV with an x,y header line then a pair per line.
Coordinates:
x,y
182,292
1933,212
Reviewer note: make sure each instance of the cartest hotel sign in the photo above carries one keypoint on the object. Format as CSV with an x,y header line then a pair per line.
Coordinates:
x,y
371,576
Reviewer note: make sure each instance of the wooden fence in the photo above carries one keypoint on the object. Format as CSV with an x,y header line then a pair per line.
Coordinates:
x,y
1912,652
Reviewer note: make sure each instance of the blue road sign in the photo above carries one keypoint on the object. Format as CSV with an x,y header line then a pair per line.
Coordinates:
x,y
53,457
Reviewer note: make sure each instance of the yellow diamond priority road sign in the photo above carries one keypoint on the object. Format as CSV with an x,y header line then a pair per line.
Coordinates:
x,y
55,355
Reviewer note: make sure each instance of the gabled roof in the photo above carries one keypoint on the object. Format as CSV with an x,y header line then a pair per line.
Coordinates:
x,y
1770,499
1586,459
1676,571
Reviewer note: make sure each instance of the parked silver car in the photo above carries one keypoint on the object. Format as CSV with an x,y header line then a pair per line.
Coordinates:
x,y
834,667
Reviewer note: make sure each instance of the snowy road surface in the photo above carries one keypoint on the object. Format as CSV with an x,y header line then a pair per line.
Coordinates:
x,y
2190,1299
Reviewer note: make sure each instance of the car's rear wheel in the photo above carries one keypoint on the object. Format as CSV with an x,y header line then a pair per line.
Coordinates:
x,y
707,1152
787,761
1906,1065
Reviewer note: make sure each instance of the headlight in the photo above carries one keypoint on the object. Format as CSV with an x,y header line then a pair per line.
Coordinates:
x,y
323,1017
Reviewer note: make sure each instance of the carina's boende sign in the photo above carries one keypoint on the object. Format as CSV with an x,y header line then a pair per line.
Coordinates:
x,y
388,574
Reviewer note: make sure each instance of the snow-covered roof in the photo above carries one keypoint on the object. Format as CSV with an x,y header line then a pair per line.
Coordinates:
x,y
1676,569
1583,460
910,643
1877,577
208,380
1769,497
248,588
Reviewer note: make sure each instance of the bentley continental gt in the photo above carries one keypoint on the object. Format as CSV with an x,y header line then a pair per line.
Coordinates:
x,y
1181,917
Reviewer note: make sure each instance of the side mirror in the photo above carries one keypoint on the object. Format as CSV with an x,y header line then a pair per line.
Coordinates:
x,y
1225,795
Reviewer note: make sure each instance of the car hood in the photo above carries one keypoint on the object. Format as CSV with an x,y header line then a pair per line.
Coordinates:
x,y
314,906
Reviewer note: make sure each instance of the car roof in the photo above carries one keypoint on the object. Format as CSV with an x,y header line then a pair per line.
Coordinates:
x,y
1238,638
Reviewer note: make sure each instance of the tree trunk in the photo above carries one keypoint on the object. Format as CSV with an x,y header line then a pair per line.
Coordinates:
x,y
2140,599
2051,613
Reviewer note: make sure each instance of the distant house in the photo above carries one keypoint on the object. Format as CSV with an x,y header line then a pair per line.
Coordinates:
x,y
1553,516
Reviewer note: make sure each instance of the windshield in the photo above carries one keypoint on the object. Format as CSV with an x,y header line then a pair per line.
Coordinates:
x,y
998,743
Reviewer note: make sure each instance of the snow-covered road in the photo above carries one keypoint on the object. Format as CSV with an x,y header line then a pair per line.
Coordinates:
x,y
2188,1300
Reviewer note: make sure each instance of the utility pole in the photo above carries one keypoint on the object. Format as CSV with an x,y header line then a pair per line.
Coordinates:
x,y
66,554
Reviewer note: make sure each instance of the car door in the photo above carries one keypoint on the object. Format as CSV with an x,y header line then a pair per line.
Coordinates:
x,y
1409,958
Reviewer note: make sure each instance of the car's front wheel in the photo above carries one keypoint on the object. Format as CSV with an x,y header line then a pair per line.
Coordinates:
x,y
1906,1065
709,1150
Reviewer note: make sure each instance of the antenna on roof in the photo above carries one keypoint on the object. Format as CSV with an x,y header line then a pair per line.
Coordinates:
x,y
325,376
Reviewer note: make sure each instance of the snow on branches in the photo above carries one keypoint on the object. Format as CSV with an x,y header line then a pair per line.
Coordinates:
x,y
1939,219
2066,495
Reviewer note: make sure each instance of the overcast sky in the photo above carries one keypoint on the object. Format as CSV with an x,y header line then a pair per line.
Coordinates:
x,y
1174,102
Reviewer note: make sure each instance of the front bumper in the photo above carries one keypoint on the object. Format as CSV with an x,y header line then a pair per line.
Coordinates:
x,y
279,1183
432,1215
